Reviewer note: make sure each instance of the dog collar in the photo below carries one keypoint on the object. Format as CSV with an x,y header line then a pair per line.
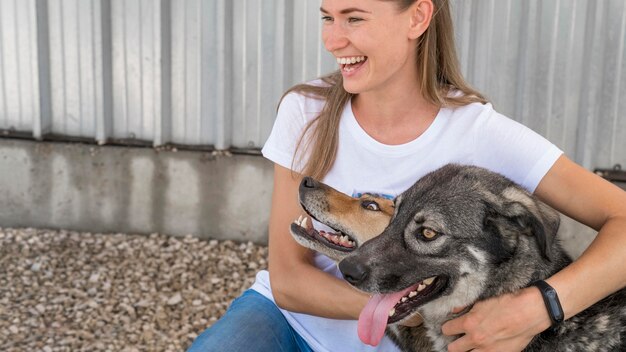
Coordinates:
x,y
551,300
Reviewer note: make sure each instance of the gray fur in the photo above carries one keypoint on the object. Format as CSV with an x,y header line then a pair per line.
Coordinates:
x,y
495,238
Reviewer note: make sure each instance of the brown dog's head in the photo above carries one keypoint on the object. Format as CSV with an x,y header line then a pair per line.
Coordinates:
x,y
353,220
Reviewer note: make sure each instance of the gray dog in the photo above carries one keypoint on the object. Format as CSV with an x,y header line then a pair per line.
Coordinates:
x,y
463,234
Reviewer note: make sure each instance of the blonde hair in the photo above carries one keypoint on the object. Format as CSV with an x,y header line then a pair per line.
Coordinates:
x,y
439,70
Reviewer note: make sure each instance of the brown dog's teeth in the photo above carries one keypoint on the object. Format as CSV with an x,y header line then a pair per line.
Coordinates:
x,y
303,223
298,221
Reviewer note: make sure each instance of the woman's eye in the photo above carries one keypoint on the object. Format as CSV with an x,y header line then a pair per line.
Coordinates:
x,y
429,234
354,19
326,18
370,206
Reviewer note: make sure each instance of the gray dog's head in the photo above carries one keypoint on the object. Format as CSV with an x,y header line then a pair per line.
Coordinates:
x,y
457,236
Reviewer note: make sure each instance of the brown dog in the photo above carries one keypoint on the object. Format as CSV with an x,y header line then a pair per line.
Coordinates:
x,y
354,221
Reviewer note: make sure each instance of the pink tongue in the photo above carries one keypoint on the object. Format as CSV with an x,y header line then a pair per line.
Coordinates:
x,y
373,318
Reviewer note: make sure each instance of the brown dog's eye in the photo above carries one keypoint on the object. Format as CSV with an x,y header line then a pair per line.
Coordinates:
x,y
429,234
369,205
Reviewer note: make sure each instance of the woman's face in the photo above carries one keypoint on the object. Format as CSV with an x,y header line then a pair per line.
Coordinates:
x,y
371,41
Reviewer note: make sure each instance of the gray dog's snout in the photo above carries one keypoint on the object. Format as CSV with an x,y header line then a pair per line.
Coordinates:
x,y
353,271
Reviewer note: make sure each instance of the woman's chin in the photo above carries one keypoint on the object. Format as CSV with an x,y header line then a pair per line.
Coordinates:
x,y
352,87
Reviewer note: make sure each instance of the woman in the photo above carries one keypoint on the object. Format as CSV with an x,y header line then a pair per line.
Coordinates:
x,y
397,109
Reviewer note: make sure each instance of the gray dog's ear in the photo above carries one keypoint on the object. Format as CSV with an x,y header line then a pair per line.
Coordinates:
x,y
519,212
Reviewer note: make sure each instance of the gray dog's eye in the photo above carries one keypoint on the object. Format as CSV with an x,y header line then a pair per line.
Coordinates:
x,y
428,234
369,205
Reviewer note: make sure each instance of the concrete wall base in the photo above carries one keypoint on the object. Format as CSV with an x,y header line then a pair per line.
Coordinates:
x,y
134,190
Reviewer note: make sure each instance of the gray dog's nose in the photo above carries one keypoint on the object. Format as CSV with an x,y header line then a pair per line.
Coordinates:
x,y
353,271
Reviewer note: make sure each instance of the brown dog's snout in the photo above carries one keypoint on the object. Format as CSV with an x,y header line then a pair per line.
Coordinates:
x,y
353,270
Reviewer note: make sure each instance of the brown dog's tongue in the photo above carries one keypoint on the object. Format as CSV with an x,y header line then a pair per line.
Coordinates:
x,y
373,318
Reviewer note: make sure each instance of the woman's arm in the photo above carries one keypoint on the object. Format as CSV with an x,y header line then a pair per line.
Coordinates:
x,y
591,200
509,322
297,285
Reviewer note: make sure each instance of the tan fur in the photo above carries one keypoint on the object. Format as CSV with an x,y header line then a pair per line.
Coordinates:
x,y
366,224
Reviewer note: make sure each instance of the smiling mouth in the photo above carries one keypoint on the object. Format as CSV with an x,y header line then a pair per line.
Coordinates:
x,y
335,240
419,294
350,64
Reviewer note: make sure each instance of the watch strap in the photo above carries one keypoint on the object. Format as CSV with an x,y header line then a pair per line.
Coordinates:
x,y
551,300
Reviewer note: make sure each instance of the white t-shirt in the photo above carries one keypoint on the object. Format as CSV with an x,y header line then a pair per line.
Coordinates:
x,y
474,134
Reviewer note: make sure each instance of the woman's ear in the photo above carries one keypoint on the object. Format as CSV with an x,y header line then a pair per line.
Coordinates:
x,y
421,14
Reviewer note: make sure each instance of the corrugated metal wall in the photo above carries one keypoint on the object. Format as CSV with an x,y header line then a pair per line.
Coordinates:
x,y
210,72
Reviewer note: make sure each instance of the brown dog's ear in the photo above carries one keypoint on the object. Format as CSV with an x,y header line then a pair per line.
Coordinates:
x,y
523,213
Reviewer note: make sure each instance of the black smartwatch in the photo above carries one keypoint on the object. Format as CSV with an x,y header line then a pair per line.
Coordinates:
x,y
551,299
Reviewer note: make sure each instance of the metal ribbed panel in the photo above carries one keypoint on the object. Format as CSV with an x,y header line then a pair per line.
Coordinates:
x,y
201,72
556,66
210,72
75,77
136,37
19,83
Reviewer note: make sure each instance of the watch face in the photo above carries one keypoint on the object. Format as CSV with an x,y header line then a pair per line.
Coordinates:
x,y
551,300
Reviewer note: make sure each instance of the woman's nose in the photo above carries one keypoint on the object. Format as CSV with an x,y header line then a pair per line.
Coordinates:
x,y
334,37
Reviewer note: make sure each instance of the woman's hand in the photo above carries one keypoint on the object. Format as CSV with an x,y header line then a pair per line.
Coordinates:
x,y
504,323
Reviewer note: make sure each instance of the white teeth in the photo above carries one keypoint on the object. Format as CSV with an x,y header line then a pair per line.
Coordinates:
x,y
420,287
350,60
392,312
303,223
342,240
297,222
346,242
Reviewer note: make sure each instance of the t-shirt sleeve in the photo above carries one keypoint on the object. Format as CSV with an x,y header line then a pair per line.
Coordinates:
x,y
290,122
514,150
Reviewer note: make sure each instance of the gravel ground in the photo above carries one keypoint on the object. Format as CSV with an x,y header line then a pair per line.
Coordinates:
x,y
71,291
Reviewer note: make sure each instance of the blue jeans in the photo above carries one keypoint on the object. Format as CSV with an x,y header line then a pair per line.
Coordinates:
x,y
252,323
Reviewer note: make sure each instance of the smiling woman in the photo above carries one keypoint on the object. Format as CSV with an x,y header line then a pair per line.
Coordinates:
x,y
396,109
367,35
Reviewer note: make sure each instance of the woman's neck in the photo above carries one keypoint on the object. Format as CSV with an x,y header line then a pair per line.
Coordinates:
x,y
395,118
